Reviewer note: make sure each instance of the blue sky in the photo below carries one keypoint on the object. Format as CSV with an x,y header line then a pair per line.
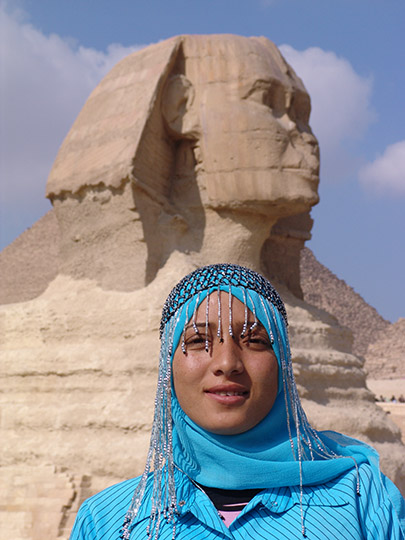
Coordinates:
x,y
349,53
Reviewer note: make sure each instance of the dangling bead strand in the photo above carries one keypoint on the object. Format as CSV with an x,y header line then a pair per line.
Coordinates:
x,y
207,310
245,323
230,311
219,332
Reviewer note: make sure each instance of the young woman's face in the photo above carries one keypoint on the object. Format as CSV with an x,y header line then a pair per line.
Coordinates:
x,y
232,387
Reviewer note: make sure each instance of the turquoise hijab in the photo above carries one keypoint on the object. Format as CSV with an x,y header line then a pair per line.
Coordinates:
x,y
263,456
281,450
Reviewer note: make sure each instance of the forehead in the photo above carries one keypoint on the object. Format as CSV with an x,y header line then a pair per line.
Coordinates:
x,y
221,304
226,59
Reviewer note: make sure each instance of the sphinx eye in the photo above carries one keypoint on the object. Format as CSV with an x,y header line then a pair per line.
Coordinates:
x,y
260,95
259,92
301,107
271,94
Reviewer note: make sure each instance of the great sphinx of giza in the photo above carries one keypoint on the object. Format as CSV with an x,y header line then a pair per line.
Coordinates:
x,y
192,151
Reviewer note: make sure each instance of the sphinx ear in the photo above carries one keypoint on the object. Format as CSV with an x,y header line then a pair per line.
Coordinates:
x,y
178,108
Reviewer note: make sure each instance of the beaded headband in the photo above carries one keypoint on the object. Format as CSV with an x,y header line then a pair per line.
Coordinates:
x,y
213,276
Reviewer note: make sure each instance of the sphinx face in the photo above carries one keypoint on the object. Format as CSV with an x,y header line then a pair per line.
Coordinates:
x,y
256,149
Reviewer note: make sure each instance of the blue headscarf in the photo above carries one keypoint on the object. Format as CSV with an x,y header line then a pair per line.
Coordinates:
x,y
281,450
261,457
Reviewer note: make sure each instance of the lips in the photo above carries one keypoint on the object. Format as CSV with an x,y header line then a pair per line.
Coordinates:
x,y
228,394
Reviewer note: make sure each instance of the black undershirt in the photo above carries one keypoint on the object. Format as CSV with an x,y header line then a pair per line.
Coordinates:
x,y
223,498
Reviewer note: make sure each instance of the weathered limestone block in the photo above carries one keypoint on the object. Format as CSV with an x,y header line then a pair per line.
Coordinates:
x,y
281,252
35,500
81,348
79,370
81,383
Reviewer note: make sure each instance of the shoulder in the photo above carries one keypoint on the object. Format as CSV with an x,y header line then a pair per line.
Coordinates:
x,y
368,481
102,515
360,503
380,505
115,495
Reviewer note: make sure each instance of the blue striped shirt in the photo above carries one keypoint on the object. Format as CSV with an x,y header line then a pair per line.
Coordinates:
x,y
331,511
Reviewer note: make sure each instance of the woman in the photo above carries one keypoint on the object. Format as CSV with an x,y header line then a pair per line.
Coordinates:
x,y
232,454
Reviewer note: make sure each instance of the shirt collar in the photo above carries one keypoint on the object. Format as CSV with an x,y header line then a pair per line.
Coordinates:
x,y
279,500
191,498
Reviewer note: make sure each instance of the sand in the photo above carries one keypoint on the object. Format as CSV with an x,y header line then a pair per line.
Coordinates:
x,y
388,388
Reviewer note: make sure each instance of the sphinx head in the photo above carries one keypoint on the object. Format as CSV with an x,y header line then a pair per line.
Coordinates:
x,y
246,115
190,141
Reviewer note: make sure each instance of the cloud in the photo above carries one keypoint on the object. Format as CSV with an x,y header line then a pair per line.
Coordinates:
x,y
45,81
341,108
386,174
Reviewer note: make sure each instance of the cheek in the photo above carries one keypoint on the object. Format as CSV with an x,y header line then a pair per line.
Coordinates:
x,y
270,375
184,376
184,388
177,376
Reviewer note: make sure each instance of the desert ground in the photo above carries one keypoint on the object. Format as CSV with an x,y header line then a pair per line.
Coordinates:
x,y
388,388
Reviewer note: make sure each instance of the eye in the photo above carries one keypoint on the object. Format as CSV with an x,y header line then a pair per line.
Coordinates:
x,y
196,341
300,108
260,95
260,92
272,94
257,340
278,100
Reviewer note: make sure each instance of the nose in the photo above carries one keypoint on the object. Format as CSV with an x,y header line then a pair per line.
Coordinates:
x,y
226,358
